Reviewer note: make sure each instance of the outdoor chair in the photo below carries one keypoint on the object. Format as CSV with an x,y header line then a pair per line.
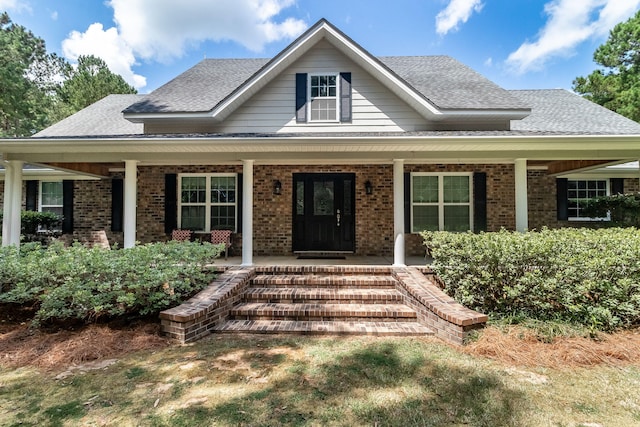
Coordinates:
x,y
181,235
222,236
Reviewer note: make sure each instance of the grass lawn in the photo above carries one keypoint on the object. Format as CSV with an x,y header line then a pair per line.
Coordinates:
x,y
233,380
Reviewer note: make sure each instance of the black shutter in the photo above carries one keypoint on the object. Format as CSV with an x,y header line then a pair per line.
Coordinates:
x,y
345,98
562,198
32,195
407,202
170,202
617,186
239,205
117,204
67,206
480,201
301,97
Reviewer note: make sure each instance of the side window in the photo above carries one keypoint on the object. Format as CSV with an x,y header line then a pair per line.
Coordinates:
x,y
207,202
580,191
51,199
441,202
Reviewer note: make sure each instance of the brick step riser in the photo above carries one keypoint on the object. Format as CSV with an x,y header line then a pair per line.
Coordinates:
x,y
323,296
322,285
327,318
264,300
349,327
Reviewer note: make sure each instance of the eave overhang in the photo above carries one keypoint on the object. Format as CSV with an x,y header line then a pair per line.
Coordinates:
x,y
273,148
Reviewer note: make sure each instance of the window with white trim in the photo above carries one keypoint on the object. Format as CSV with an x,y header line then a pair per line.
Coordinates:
x,y
207,202
580,191
441,202
51,199
323,97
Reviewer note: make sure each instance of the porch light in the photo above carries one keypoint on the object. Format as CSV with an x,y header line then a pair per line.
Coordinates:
x,y
277,187
368,188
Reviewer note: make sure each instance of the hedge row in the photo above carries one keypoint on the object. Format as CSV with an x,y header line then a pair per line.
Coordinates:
x,y
583,276
94,284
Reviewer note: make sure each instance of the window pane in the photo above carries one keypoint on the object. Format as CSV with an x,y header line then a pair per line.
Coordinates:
x,y
223,217
456,189
323,198
323,109
300,198
52,193
223,189
425,189
456,218
55,210
425,218
581,191
194,189
193,218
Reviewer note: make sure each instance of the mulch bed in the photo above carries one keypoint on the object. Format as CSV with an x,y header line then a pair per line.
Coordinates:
x,y
60,346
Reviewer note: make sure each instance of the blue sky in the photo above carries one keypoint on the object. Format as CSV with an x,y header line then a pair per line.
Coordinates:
x,y
519,44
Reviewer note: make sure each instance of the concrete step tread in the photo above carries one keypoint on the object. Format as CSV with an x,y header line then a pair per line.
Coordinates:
x,y
325,327
322,310
375,295
324,280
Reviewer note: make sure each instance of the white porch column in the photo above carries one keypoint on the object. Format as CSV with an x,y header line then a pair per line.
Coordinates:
x,y
398,213
12,203
247,212
522,215
130,201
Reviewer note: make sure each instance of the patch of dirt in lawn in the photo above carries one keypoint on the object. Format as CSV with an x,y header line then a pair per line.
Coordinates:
x,y
519,346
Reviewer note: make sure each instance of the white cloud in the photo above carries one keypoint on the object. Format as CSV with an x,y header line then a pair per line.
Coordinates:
x,y
105,44
570,22
456,12
161,30
14,5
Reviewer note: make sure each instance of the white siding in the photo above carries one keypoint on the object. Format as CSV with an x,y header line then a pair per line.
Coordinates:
x,y
375,109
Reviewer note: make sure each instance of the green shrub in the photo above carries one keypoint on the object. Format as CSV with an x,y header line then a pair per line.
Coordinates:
x,y
623,210
583,276
31,221
92,284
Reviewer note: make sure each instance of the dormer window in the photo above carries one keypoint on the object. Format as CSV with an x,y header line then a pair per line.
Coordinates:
x,y
323,98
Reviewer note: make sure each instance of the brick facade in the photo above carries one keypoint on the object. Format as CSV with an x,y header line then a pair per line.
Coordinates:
x,y
273,213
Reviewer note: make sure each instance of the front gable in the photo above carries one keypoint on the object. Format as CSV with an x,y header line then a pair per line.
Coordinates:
x,y
273,110
185,105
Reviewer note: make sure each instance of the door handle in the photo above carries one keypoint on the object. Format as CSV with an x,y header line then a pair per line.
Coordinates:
x,y
338,218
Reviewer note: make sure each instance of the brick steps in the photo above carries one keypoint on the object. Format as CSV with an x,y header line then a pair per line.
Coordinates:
x,y
323,300
324,327
323,295
373,300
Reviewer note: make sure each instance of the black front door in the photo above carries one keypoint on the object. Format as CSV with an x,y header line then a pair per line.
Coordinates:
x,y
324,212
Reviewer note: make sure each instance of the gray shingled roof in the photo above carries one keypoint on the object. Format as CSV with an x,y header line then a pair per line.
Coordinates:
x,y
560,111
446,82
103,118
449,84
200,88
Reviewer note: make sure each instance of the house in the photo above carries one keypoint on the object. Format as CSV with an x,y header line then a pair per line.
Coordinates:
x,y
323,148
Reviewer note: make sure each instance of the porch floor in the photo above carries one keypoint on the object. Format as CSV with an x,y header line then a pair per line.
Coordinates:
x,y
417,261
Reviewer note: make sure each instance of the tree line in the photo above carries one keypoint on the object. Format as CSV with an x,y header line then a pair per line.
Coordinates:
x,y
38,88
